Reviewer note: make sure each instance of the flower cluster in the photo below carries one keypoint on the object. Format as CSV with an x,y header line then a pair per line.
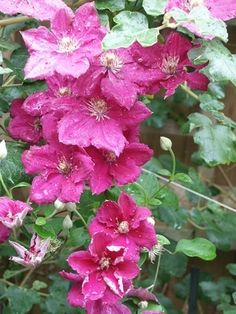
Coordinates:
x,y
104,273
88,118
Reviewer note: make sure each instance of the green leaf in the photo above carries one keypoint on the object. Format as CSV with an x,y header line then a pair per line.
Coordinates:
x,y
11,167
38,285
183,177
21,185
232,269
111,5
17,62
7,45
204,22
164,172
221,66
154,7
40,221
162,240
130,26
78,237
198,247
208,103
217,144
21,300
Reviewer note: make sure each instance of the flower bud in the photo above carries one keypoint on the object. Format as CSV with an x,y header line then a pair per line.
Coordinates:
x,y
151,221
70,206
67,223
165,143
143,304
59,205
3,150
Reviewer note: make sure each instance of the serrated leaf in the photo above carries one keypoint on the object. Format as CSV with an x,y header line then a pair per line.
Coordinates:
x,y
17,62
111,5
198,247
130,26
154,7
221,66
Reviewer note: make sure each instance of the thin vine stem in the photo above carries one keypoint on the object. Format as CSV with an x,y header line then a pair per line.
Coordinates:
x,y
81,217
156,273
5,187
14,20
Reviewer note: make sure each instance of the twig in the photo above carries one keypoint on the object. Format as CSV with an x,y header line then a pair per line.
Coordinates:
x,y
226,177
191,191
14,20
26,277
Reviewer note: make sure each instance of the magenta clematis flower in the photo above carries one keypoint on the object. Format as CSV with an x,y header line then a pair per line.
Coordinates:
x,y
99,122
67,48
12,213
126,223
61,91
39,9
62,171
120,77
173,67
76,298
32,257
110,169
221,9
4,233
104,268
24,126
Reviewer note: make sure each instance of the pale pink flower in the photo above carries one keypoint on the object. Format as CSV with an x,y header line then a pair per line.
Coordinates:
x,y
38,9
61,172
172,64
32,257
22,125
221,9
67,48
125,222
110,169
104,268
12,213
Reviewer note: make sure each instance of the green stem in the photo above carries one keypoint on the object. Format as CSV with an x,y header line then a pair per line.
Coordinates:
x,y
189,92
173,164
156,274
5,187
81,217
143,192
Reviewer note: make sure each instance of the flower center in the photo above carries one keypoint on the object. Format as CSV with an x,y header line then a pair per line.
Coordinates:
x,y
111,61
110,157
64,91
104,262
37,125
67,44
170,64
64,166
98,108
123,227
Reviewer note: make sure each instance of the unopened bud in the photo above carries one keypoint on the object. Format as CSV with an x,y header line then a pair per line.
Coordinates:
x,y
165,143
70,206
67,223
3,150
143,304
59,205
151,221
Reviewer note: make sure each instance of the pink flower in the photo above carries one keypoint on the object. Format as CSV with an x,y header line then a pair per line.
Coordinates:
x,y
60,93
104,268
62,171
4,233
99,122
120,77
221,9
76,298
69,45
126,223
12,213
32,257
22,125
39,9
110,169
172,65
